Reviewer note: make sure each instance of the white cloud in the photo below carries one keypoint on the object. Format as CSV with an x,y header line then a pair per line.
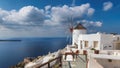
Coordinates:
x,y
26,15
51,17
91,11
47,7
57,15
63,14
47,10
98,23
91,25
107,5
88,23
3,13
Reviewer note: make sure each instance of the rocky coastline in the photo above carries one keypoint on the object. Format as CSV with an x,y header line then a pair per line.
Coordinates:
x,y
26,63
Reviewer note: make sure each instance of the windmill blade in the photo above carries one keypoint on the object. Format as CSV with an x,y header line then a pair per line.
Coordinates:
x,y
69,30
73,3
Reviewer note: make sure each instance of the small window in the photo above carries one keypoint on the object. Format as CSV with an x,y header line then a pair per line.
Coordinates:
x,y
81,44
95,44
86,43
118,38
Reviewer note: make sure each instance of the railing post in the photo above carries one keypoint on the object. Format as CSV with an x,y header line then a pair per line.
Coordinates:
x,y
86,61
49,65
60,61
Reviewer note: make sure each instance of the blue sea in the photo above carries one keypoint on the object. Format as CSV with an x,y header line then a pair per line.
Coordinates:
x,y
12,52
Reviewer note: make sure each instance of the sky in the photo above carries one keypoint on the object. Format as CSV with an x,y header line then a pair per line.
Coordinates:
x,y
52,18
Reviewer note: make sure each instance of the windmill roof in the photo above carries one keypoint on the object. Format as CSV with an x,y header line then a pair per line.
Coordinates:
x,y
79,26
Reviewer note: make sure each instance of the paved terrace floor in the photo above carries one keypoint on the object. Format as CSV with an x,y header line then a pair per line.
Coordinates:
x,y
80,62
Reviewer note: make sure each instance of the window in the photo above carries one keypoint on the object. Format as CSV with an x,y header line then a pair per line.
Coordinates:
x,y
95,44
81,44
117,38
117,46
86,43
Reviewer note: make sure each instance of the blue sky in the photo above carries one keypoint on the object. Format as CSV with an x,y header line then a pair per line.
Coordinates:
x,y
50,18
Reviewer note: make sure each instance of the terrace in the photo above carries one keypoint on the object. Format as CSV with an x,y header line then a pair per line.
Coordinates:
x,y
79,62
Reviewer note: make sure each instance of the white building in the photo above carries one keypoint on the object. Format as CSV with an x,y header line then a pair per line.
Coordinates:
x,y
99,41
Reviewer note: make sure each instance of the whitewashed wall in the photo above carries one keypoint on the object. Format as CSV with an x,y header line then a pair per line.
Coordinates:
x,y
76,33
90,38
107,41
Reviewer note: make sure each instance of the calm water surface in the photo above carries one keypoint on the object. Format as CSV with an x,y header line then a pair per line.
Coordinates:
x,y
13,52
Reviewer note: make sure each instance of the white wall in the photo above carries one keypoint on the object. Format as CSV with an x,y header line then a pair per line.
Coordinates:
x,y
103,63
92,63
107,41
76,33
116,39
90,38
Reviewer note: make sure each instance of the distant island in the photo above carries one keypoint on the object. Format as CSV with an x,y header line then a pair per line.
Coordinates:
x,y
10,40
